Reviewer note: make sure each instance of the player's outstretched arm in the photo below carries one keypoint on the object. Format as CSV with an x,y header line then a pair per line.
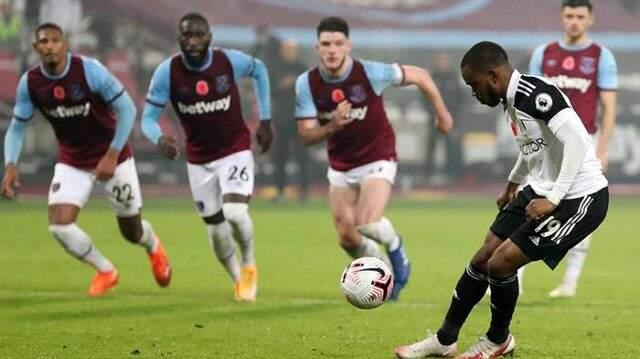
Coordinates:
x,y
12,147
418,76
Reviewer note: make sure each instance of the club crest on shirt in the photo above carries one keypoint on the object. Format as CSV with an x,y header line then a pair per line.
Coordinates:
x,y
223,83
357,93
59,93
55,187
569,63
202,87
543,102
76,92
587,65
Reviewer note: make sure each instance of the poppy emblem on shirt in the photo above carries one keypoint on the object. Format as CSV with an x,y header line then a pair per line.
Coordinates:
x,y
514,128
587,65
357,94
202,87
59,93
223,83
569,63
337,95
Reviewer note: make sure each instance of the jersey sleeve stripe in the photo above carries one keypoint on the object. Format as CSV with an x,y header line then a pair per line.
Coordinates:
x,y
115,97
154,103
22,119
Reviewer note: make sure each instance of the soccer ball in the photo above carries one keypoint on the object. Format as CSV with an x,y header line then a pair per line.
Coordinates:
x,y
366,282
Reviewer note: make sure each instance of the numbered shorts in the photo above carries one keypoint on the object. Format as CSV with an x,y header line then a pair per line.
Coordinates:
x,y
210,181
356,176
549,238
72,185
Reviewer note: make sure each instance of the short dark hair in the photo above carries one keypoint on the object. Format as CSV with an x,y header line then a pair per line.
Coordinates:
x,y
577,3
193,16
333,24
47,26
484,56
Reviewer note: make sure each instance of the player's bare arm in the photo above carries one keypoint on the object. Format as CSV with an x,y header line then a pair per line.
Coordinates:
x,y
507,195
264,135
10,181
608,100
418,76
311,133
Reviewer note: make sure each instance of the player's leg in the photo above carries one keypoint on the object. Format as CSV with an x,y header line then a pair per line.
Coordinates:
x,y
472,284
69,191
342,200
236,178
502,277
374,194
468,292
205,189
123,192
575,262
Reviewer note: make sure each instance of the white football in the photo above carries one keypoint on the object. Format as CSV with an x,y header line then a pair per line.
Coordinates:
x,y
366,282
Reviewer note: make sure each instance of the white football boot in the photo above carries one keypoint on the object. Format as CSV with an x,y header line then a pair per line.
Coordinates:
x,y
430,347
486,349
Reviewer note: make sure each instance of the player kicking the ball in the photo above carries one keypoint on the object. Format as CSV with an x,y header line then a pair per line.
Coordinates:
x,y
340,101
565,199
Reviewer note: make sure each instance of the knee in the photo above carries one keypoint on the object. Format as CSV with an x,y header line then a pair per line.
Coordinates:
x,y
131,230
499,267
347,234
381,229
235,212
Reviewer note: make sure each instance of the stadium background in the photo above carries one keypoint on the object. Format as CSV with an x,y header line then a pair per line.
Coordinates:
x,y
132,37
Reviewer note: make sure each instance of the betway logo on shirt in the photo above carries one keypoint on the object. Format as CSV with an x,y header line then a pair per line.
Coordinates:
x,y
203,107
572,83
354,114
69,111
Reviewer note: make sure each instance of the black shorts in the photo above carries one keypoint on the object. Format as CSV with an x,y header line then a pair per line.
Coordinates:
x,y
550,237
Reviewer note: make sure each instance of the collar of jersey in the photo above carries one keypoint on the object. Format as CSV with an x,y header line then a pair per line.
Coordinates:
x,y
511,89
332,80
207,62
63,74
576,47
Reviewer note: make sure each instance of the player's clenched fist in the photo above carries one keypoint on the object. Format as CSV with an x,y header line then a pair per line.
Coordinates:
x,y
264,135
341,116
444,121
107,166
10,182
169,147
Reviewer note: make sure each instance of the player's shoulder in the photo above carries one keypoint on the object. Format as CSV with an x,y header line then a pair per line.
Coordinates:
x,y
302,81
539,98
605,52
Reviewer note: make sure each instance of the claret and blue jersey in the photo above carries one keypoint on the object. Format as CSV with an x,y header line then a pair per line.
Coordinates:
x,y
78,105
207,102
370,136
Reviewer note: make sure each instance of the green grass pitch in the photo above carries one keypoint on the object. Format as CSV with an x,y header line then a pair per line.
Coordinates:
x,y
300,313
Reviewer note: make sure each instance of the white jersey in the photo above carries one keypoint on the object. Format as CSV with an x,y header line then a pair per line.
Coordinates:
x,y
536,109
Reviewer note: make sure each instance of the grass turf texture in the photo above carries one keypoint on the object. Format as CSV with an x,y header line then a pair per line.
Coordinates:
x,y
300,312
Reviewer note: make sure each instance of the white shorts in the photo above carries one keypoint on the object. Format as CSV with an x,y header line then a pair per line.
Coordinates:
x,y
210,181
356,176
72,185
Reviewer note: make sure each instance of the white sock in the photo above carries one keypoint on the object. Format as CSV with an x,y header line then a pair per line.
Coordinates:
x,y
77,243
238,216
367,248
222,245
575,262
148,239
381,232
